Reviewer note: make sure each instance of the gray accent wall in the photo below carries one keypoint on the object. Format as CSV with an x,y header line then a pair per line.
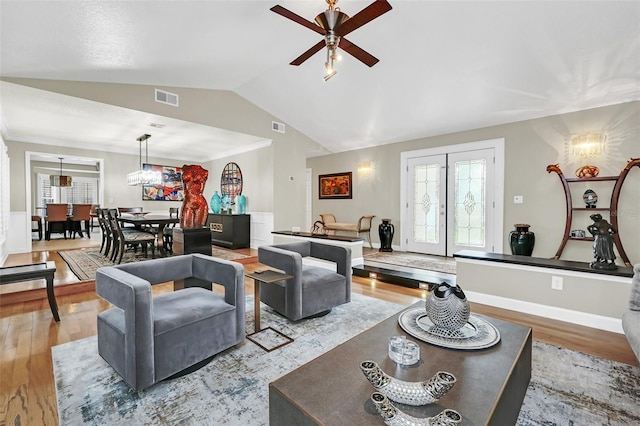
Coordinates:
x,y
530,146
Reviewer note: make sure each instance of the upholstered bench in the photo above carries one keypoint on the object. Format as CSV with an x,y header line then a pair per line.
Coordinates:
x,y
331,226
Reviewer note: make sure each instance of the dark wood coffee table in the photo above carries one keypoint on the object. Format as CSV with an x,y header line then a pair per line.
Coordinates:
x,y
331,389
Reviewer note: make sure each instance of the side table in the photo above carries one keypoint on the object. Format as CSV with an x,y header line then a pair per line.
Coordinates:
x,y
14,274
260,277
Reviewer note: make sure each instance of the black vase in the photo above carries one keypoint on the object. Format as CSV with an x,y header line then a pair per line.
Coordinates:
x,y
385,232
522,240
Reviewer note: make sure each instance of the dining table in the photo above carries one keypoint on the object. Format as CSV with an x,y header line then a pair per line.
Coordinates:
x,y
155,220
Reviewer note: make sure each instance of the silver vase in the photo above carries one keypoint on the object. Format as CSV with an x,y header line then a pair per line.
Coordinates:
x,y
448,307
392,416
410,393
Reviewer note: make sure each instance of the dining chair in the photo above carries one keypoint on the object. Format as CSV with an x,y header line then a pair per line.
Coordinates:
x,y
167,232
36,225
56,220
94,214
126,210
79,213
105,230
122,240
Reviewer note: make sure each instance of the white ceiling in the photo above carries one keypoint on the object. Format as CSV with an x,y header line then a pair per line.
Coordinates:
x,y
445,66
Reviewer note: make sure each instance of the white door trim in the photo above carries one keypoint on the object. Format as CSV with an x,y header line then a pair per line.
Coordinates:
x,y
27,179
497,145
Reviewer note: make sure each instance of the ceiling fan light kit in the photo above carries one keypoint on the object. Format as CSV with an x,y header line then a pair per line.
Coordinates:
x,y
334,25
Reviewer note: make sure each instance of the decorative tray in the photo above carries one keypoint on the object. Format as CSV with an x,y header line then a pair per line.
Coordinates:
x,y
477,333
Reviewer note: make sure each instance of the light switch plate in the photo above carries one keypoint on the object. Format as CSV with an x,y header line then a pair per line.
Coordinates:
x,y
518,199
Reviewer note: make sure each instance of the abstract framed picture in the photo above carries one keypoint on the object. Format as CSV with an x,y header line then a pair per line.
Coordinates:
x,y
335,186
171,188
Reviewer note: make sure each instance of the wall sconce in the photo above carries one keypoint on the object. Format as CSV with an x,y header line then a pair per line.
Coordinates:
x,y
364,169
588,144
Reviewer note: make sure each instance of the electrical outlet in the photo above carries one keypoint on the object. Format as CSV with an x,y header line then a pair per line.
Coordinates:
x,y
518,199
556,283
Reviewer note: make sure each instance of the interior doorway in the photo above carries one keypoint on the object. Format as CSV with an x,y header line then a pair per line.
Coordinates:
x,y
452,198
69,162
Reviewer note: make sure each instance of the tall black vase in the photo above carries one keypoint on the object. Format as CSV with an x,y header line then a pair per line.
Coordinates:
x,y
522,240
385,232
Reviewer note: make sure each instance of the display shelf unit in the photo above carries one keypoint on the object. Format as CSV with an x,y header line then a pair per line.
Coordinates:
x,y
612,209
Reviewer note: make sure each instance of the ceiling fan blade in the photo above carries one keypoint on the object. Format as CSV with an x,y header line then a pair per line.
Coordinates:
x,y
297,18
358,53
309,53
367,14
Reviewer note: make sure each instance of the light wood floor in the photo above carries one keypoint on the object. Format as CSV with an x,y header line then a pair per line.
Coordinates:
x,y
27,332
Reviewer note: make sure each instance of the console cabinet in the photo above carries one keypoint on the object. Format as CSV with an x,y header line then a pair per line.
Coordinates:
x,y
231,231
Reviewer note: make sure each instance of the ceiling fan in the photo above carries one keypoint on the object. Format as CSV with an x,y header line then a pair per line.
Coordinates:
x,y
334,25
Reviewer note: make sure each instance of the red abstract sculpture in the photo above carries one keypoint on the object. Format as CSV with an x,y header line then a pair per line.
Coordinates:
x,y
194,207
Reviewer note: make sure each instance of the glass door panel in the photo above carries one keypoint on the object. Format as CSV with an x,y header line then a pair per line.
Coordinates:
x,y
426,204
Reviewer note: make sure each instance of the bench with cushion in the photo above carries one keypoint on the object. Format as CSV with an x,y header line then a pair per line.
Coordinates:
x,y
330,226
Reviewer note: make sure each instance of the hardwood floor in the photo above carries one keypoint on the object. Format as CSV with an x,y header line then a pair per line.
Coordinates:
x,y
27,331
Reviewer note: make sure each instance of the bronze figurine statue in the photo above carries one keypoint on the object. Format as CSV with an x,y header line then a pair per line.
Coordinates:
x,y
603,253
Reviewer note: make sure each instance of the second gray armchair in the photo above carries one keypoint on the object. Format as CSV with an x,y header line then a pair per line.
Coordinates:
x,y
314,289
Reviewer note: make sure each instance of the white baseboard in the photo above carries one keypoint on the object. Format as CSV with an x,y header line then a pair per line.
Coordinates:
x,y
575,317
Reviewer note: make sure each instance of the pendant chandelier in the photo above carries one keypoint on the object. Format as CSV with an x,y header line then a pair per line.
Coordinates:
x,y
144,176
60,180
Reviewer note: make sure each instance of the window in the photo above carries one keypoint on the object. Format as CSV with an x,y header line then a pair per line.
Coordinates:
x,y
83,190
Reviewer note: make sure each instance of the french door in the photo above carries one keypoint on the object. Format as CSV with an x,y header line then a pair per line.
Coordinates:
x,y
450,202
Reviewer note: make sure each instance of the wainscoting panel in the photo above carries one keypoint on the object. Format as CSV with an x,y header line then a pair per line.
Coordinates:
x,y
261,228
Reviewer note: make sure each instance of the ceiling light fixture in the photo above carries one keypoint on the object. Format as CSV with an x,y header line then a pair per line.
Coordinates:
x,y
60,180
144,176
334,25
588,144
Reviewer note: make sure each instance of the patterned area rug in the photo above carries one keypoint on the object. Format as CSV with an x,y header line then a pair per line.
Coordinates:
x,y
566,388
232,389
84,263
413,260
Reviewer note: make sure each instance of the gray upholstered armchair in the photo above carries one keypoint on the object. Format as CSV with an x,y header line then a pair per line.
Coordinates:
x,y
631,317
148,338
315,289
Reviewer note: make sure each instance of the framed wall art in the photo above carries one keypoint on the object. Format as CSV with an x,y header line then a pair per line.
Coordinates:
x,y
171,188
335,186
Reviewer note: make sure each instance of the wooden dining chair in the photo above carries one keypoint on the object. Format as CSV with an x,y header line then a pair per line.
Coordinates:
x,y
105,230
122,240
56,220
94,214
80,213
36,225
167,232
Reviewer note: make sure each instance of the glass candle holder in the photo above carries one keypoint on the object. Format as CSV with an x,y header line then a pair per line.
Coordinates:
x,y
403,351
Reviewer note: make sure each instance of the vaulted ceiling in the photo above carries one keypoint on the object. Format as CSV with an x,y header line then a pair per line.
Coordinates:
x,y
445,66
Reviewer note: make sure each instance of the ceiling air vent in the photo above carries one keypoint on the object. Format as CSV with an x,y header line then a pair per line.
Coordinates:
x,y
166,97
277,127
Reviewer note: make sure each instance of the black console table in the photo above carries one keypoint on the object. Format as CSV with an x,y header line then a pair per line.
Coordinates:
x,y
36,271
231,231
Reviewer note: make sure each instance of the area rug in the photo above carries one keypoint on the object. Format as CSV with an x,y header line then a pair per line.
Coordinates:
x,y
566,388
413,260
232,389
84,262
